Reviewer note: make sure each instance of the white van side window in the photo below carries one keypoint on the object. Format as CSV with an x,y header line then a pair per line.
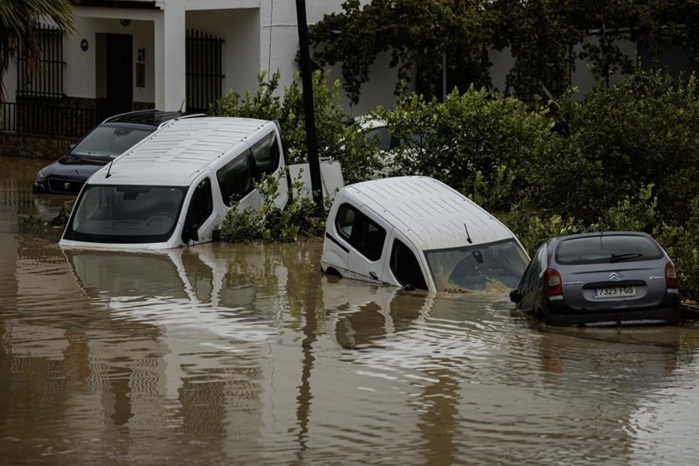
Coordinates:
x,y
365,235
405,266
345,220
267,154
236,177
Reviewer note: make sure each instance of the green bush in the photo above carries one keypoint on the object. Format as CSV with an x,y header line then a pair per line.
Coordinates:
x,y
269,223
475,142
337,139
640,132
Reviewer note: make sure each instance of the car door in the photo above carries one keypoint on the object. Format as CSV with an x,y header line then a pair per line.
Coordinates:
x,y
199,220
530,287
403,266
367,245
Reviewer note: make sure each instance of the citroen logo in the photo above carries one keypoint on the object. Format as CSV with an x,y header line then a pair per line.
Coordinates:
x,y
614,276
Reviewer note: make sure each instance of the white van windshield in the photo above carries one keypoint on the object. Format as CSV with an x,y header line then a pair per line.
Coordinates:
x,y
126,214
497,265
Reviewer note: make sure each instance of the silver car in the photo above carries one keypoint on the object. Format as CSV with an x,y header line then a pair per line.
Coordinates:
x,y
604,278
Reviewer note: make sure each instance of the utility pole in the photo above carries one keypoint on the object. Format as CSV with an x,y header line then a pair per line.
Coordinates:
x,y
307,82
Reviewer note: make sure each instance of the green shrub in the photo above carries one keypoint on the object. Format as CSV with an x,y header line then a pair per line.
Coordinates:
x,y
336,138
269,223
641,132
475,142
682,244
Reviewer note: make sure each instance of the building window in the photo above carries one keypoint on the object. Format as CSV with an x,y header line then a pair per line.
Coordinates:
x,y
204,64
44,81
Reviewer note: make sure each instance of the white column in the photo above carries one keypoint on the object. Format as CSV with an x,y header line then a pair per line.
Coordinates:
x,y
170,61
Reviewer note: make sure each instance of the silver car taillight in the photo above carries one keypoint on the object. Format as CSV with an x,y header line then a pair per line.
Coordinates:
x,y
671,280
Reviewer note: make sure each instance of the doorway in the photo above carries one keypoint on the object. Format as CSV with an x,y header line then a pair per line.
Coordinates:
x,y
119,73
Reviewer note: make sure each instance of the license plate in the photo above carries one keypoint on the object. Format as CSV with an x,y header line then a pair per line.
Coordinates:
x,y
614,292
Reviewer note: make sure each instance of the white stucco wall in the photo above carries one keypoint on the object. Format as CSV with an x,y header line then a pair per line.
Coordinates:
x,y
84,73
240,29
280,45
581,77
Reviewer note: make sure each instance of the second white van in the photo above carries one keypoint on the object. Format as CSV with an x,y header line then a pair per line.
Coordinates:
x,y
418,233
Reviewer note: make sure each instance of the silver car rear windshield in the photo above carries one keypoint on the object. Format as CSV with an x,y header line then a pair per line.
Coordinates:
x,y
607,248
126,214
497,265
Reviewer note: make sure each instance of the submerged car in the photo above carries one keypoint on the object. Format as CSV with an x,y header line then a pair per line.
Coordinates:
x,y
603,278
101,145
416,232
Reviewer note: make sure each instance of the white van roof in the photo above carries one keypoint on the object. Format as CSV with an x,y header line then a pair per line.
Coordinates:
x,y
431,214
179,150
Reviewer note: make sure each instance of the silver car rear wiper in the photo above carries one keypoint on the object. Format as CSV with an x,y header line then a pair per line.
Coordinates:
x,y
623,257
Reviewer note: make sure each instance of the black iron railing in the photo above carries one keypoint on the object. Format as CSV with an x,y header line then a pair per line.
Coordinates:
x,y
47,119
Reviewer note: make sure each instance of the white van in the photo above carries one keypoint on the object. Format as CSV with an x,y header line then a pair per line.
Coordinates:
x,y
417,232
175,187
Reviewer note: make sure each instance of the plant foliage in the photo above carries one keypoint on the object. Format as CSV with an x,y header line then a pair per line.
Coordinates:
x,y
19,22
545,37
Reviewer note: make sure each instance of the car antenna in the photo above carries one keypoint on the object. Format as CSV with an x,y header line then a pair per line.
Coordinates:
x,y
468,236
181,106
109,169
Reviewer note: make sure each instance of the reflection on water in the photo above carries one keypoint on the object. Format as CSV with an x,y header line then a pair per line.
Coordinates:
x,y
230,354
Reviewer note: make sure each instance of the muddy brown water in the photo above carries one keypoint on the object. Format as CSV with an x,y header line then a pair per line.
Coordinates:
x,y
248,354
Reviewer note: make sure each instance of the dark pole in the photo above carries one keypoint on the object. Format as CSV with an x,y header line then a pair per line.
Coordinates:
x,y
307,81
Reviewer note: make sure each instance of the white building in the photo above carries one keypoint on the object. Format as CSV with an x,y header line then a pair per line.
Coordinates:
x,y
167,54
170,54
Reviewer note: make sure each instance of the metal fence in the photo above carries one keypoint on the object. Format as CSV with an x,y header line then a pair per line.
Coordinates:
x,y
48,120
204,70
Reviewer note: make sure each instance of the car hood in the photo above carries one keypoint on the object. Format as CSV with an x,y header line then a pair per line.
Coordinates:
x,y
71,167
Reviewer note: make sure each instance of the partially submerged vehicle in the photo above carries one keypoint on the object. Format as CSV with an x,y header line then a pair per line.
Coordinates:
x,y
417,232
97,148
605,278
176,186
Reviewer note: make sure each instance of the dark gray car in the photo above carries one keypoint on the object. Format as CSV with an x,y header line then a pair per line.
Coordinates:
x,y
604,278
101,145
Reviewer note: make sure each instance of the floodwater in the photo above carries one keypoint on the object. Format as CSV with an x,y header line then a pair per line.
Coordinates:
x,y
248,354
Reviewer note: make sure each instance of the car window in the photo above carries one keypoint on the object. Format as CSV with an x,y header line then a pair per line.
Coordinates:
x,y
266,154
534,270
606,248
201,206
126,214
478,266
344,221
365,235
405,266
236,178
108,142
380,136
